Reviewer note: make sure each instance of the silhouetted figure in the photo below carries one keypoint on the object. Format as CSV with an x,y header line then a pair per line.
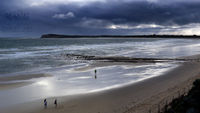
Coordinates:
x,y
55,102
95,76
45,103
95,71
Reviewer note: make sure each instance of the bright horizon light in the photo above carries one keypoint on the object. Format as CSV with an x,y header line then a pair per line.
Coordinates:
x,y
76,2
141,26
54,2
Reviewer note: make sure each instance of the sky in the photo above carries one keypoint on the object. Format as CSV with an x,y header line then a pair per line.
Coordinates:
x,y
32,18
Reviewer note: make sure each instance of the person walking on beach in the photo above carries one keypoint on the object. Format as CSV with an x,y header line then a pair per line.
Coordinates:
x,y
55,103
45,103
95,72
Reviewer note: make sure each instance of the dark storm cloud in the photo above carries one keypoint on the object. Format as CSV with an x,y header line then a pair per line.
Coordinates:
x,y
144,12
97,17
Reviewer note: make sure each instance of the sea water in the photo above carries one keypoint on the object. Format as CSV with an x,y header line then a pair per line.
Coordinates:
x,y
72,76
18,55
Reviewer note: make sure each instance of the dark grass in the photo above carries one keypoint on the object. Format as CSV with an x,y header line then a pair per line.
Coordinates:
x,y
186,104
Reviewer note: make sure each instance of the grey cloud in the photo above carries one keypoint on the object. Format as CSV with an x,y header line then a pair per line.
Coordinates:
x,y
127,17
64,16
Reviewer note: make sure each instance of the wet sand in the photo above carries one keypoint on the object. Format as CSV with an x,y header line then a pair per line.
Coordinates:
x,y
139,97
103,64
23,77
7,83
7,86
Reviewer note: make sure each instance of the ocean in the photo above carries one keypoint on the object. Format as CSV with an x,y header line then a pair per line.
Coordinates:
x,y
22,55
76,76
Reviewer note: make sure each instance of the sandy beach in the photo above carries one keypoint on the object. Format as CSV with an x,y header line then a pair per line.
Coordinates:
x,y
140,97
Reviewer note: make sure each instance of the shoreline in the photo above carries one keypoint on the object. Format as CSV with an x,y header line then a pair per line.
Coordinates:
x,y
139,97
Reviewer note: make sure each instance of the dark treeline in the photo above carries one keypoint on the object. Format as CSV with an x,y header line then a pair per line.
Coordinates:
x,y
118,36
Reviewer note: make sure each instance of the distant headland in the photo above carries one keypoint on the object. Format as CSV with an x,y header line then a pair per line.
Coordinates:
x,y
118,36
